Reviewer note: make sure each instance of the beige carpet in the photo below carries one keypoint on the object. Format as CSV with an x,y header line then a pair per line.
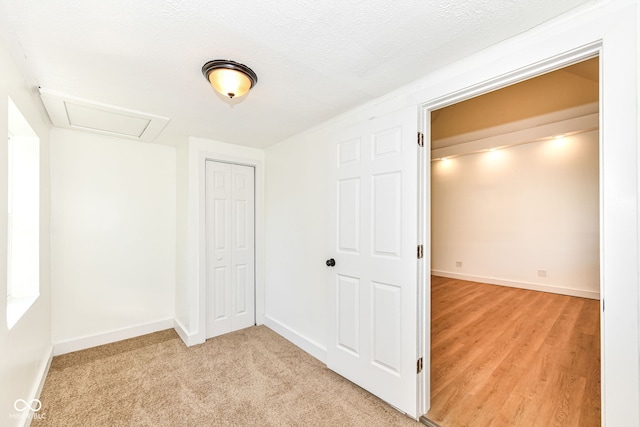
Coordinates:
x,y
251,377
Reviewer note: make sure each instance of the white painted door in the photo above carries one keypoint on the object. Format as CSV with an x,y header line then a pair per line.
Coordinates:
x,y
229,217
373,293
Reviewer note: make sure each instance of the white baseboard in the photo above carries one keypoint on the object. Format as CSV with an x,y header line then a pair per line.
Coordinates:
x,y
41,377
110,337
43,372
310,346
188,339
522,285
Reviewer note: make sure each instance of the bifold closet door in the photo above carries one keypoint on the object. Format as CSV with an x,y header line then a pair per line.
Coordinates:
x,y
229,216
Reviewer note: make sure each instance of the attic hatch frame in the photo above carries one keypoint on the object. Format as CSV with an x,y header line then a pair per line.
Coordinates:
x,y
534,69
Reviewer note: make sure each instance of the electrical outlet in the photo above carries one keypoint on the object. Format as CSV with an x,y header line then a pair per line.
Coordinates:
x,y
542,273
458,264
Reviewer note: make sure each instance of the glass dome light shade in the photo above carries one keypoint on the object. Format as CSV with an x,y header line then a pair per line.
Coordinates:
x,y
229,83
229,78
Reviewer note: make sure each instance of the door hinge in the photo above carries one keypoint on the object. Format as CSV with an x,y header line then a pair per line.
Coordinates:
x,y
420,139
420,251
419,365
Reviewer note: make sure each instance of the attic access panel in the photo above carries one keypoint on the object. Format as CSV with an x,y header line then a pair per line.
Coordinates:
x,y
81,114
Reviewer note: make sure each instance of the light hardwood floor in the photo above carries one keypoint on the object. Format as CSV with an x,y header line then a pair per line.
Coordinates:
x,y
511,357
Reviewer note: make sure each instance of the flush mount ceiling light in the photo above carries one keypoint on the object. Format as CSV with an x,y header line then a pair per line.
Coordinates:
x,y
229,78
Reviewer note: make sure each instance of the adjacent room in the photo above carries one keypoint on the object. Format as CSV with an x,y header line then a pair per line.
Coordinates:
x,y
515,203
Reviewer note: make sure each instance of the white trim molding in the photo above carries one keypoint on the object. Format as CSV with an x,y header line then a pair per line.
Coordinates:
x,y
307,344
522,285
189,339
110,337
41,377
201,150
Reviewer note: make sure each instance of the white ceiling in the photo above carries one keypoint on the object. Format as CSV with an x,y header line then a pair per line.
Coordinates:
x,y
314,59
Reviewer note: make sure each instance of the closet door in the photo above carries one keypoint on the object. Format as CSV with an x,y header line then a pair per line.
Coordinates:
x,y
229,216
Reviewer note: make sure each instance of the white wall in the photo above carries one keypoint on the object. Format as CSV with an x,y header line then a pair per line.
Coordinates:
x,y
295,283
298,241
25,350
113,225
508,213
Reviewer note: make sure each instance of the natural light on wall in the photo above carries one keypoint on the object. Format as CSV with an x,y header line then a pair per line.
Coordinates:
x,y
23,231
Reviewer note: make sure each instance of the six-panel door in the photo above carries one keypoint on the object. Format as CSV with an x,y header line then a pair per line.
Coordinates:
x,y
229,217
373,295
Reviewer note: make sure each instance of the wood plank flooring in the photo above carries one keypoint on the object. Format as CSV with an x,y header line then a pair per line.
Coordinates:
x,y
511,357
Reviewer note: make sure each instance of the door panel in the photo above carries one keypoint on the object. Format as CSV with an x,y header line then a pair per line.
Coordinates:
x,y
242,256
386,327
349,215
230,256
348,314
219,294
221,221
241,295
387,210
373,293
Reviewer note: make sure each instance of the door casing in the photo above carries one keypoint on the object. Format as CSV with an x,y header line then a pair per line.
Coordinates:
x,y
199,152
606,171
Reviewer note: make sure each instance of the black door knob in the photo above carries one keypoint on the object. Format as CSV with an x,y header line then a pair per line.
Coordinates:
x,y
331,262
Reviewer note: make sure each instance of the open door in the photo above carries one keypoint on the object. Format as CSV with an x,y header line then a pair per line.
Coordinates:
x,y
373,293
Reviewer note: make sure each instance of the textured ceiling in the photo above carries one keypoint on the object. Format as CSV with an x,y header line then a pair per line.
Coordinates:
x,y
314,60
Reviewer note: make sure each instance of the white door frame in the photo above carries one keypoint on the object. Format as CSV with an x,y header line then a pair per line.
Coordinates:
x,y
609,32
200,151
426,108
202,233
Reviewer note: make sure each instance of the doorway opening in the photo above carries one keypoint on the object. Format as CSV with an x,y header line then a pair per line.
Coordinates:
x,y
515,202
